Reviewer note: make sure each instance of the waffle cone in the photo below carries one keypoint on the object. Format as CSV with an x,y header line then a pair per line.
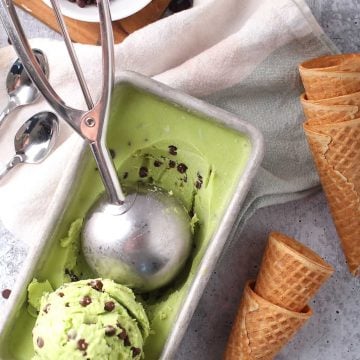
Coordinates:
x,y
322,85
349,99
331,76
336,151
261,328
290,273
334,63
333,110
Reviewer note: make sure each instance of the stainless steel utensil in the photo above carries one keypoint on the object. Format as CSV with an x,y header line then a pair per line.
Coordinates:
x,y
144,242
20,88
34,140
130,221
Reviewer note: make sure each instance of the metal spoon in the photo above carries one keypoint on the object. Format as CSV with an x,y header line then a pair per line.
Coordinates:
x,y
34,140
138,217
20,88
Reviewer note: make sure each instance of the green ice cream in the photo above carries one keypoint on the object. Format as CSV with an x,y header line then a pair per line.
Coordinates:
x,y
196,159
90,319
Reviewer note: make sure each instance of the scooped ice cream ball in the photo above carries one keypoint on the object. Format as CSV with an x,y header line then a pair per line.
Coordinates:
x,y
90,319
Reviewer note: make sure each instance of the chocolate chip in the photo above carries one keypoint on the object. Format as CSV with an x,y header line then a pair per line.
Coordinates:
x,y
96,285
112,153
180,5
157,163
109,306
6,293
40,342
135,351
82,344
67,304
110,330
143,171
126,174
123,334
85,301
199,181
81,3
46,308
61,294
172,150
181,168
172,163
127,341
72,275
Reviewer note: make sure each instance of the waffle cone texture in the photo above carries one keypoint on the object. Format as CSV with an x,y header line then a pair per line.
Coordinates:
x,y
332,128
331,76
275,307
290,273
261,328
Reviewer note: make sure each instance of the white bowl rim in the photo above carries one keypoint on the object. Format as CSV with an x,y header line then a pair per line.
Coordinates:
x,y
120,9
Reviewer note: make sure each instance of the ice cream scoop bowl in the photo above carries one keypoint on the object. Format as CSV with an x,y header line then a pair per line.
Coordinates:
x,y
144,254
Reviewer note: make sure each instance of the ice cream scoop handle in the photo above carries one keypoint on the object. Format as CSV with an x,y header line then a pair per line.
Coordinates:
x,y
107,172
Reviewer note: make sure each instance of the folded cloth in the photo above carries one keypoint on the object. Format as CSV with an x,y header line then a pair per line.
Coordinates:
x,y
239,55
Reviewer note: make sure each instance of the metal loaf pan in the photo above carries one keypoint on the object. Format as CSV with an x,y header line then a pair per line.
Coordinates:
x,y
69,188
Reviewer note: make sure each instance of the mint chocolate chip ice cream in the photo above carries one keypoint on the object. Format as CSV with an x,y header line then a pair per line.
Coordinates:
x,y
90,319
198,161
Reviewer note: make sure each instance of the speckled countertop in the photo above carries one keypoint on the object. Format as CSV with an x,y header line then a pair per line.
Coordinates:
x,y
333,333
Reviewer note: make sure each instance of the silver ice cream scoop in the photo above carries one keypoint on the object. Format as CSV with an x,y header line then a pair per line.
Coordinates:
x,y
143,238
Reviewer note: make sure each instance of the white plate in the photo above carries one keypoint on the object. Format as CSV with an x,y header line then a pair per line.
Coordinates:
x,y
119,9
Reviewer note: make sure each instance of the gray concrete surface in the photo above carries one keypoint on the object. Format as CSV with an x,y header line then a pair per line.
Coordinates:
x,y
333,333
